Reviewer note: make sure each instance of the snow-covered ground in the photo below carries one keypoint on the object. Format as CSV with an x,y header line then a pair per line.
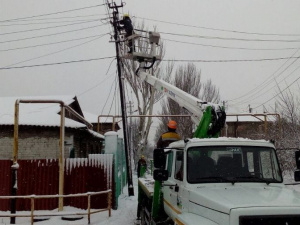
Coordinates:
x,y
125,215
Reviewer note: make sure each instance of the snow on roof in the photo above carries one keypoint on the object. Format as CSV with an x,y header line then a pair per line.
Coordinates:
x,y
96,134
36,114
93,118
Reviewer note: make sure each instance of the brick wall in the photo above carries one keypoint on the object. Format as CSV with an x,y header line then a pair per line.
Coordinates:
x,y
34,143
43,143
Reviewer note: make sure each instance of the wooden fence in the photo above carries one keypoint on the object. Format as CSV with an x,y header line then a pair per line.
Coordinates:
x,y
40,177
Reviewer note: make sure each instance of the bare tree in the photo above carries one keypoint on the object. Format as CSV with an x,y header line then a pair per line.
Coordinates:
x,y
144,95
188,79
289,138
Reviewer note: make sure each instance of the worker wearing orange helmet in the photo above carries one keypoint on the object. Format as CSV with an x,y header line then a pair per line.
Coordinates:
x,y
169,136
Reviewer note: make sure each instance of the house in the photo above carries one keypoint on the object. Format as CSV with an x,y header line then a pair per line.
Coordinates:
x,y
39,129
254,126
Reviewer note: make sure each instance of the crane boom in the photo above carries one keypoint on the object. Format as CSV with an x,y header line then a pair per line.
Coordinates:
x,y
192,104
209,117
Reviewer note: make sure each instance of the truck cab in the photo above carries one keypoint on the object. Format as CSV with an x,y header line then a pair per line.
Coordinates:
x,y
226,181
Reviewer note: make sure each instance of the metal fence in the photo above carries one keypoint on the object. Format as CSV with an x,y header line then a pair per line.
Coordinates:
x,y
33,198
40,177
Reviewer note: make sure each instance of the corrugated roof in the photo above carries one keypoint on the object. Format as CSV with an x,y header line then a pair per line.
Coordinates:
x,y
37,114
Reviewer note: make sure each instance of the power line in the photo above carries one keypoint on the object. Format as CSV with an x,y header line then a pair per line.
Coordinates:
x,y
114,82
54,13
57,63
226,47
52,53
268,80
216,29
58,18
228,60
47,35
113,100
48,22
43,28
278,93
230,38
82,93
271,87
45,44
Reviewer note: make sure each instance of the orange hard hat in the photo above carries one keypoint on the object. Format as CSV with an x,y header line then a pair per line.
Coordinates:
x,y
172,124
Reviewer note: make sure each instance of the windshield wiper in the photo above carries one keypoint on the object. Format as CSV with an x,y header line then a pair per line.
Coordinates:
x,y
256,178
222,179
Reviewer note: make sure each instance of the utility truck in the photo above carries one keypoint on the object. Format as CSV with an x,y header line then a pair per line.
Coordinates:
x,y
212,180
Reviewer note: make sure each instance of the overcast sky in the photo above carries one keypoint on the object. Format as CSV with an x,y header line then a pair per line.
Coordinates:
x,y
218,31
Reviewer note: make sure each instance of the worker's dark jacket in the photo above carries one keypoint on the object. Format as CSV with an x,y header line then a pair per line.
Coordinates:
x,y
167,138
127,25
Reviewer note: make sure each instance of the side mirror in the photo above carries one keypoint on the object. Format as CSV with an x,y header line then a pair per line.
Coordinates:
x,y
160,175
297,157
159,157
297,175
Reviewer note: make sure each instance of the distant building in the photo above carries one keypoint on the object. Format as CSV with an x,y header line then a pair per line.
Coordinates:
x,y
39,130
247,126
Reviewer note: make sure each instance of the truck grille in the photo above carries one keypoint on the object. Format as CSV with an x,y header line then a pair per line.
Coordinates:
x,y
270,220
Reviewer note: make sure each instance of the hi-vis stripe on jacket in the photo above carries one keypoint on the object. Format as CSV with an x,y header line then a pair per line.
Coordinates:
x,y
166,138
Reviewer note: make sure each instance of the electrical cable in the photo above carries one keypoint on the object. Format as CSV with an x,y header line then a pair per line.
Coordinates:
x,y
44,28
54,13
249,100
216,29
58,18
58,63
113,100
96,85
108,94
280,92
226,47
228,60
52,53
53,34
224,38
51,43
267,81
230,38
42,23
107,10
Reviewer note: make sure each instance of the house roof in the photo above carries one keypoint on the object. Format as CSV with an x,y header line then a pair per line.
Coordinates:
x,y
36,114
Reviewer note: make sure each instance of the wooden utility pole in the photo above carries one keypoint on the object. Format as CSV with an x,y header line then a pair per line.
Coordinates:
x,y
115,23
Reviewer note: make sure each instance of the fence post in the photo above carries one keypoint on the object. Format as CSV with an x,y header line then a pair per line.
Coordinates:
x,y
89,208
32,209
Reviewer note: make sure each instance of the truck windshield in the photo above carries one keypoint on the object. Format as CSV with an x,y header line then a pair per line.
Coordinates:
x,y
214,164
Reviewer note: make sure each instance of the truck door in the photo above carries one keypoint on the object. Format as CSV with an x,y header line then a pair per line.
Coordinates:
x,y
172,200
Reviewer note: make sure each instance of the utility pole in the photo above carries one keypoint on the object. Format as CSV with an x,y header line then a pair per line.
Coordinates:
x,y
115,22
